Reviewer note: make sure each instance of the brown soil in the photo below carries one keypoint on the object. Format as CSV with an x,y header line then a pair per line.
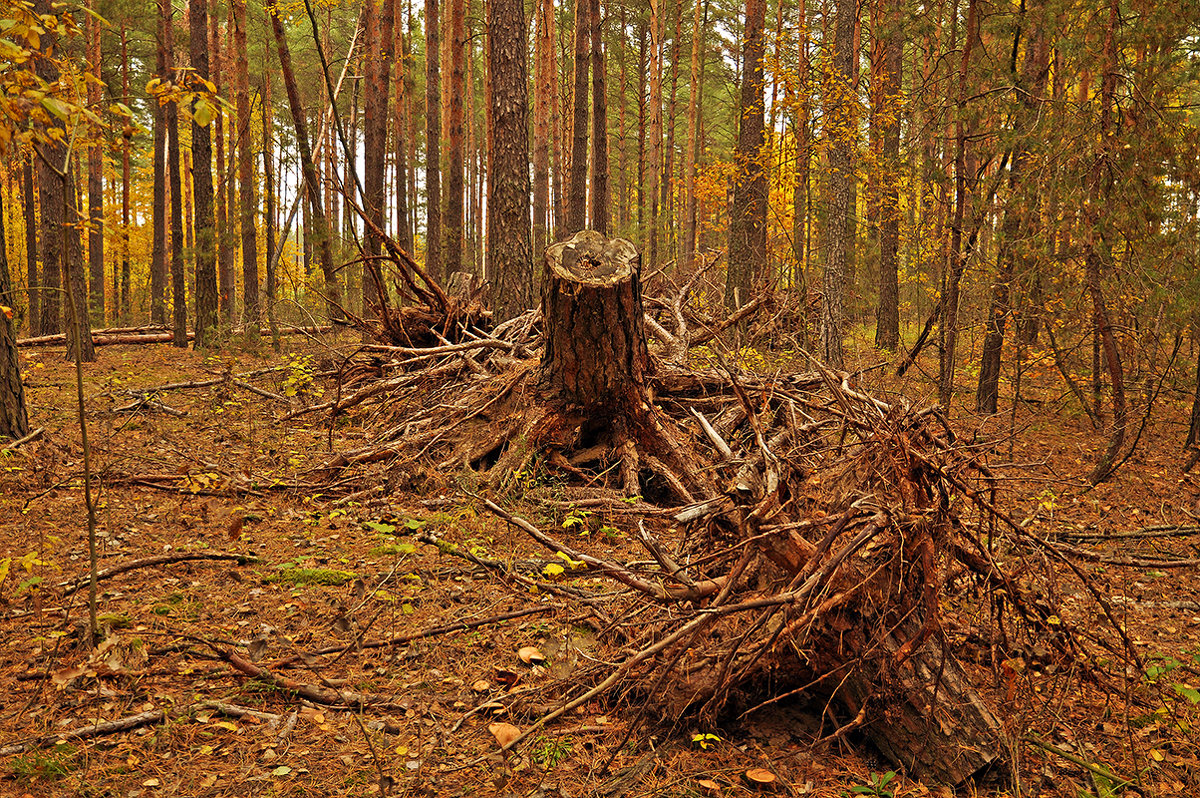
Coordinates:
x,y
337,561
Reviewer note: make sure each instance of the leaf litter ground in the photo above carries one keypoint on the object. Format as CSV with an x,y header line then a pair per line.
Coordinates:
x,y
328,563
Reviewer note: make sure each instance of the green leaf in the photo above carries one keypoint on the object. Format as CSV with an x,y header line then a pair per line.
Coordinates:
x,y
381,528
202,112
1190,693
56,107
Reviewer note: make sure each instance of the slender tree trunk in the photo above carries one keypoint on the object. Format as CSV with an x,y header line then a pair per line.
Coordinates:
x,y
270,214
456,41
643,78
433,153
158,258
174,167
52,166
600,192
202,190
800,193
249,199
400,129
229,177
748,221
577,195
349,222
622,205
377,64
95,180
126,147
653,173
79,334
31,247
840,125
14,420
888,52
688,253
509,248
558,153
957,257
225,279
668,173
544,86
320,224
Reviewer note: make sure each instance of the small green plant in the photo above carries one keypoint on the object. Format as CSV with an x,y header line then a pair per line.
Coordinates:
x,y
705,741
876,785
549,751
577,519
50,766
301,377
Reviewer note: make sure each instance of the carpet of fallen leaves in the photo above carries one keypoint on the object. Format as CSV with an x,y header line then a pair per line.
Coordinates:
x,y
331,560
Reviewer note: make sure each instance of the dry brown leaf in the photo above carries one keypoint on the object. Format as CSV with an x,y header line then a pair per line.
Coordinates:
x,y
504,733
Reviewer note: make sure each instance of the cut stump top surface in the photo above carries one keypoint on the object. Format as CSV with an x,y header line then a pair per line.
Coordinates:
x,y
591,259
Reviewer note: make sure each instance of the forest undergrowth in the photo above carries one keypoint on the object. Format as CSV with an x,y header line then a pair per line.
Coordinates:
x,y
298,633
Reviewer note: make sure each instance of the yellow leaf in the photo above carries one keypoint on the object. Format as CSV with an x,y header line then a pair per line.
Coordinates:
x,y
224,724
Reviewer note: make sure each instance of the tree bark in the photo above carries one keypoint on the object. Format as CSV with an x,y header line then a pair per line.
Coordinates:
x,y
433,137
269,211
600,192
126,151
320,224
31,246
52,165
95,180
223,213
14,420
653,165
174,166
377,65
246,182
596,355
509,248
400,129
544,82
748,215
202,189
688,249
887,61
454,140
840,129
74,275
577,193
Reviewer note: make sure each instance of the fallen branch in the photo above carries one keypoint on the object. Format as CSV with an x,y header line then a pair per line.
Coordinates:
x,y
19,442
71,585
87,732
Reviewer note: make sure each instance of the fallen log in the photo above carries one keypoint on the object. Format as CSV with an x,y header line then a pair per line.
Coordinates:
x,y
116,336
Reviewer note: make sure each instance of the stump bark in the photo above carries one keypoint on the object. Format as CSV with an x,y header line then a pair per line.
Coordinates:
x,y
596,355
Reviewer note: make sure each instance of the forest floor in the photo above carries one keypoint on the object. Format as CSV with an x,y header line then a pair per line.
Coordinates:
x,y
331,560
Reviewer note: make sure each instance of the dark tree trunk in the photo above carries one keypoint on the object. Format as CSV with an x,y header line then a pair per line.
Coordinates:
x,y
52,166
226,288
14,420
545,84
320,223
400,130
596,355
125,184
688,244
577,193
269,211
31,247
158,257
600,210
175,167
454,139
433,144
202,190
748,216
249,198
377,65
95,182
510,249
888,48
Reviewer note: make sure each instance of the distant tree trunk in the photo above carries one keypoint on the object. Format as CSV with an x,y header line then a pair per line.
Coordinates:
x,y
400,129
748,216
202,189
1017,214
509,247
95,180
839,129
622,205
887,61
14,420
643,78
174,166
377,65
269,212
544,86
688,248
159,221
667,199
957,257
320,224
652,175
800,194
249,198
600,192
126,147
224,214
79,334
577,194
558,154
456,41
349,186
31,246
229,178
1098,251
433,138
52,170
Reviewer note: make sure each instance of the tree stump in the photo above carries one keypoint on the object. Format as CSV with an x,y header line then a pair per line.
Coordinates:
x,y
596,356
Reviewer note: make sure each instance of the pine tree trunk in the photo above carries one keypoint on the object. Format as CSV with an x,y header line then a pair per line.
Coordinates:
x,y
14,420
174,166
249,198
202,190
600,192
888,53
400,129
79,334
668,172
653,166
379,23
544,86
320,224
126,147
643,77
509,250
433,137
800,193
229,178
52,166
31,247
688,249
95,181
224,215
270,213
839,127
748,220
577,194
